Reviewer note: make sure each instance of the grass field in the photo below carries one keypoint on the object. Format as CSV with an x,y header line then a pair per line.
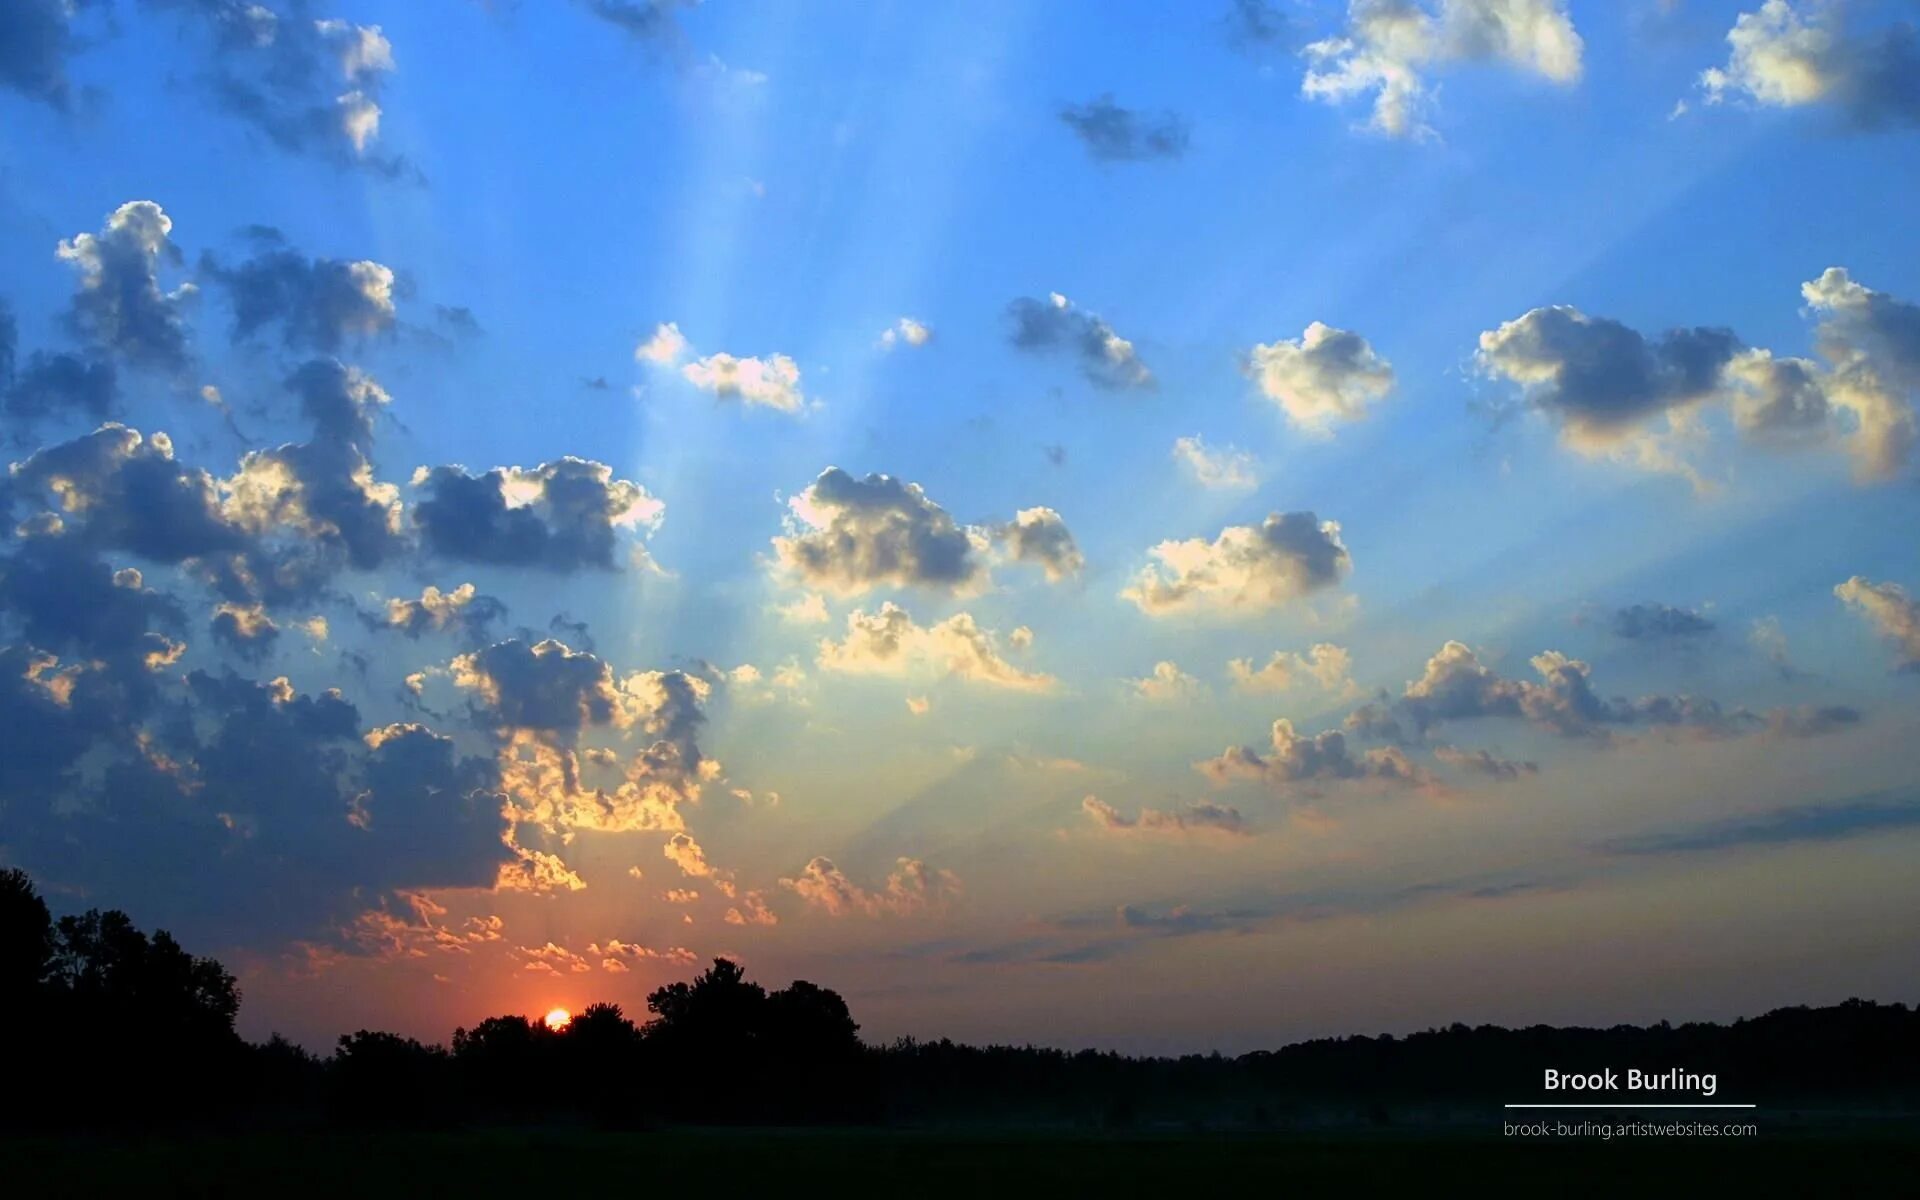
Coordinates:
x,y
710,1162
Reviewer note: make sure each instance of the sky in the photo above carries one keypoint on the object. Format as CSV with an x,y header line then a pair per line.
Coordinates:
x,y
1165,527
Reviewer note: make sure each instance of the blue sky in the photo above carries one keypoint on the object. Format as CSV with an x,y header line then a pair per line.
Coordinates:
x,y
1109,285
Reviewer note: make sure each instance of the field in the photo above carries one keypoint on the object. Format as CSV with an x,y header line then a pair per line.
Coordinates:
x,y
1827,1161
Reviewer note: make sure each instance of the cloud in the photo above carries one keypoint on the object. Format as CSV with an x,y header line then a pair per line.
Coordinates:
x,y
246,629
36,39
311,86
1457,686
1808,720
848,536
772,382
1199,817
560,516
1039,536
683,852
548,688
1326,665
53,385
118,304
1325,377
1659,622
1225,468
1892,613
119,490
1256,24
664,348
1873,342
1877,813
318,303
1297,758
1246,570
1167,683
1781,58
888,642
1389,46
1482,762
463,609
752,910
1054,325
911,887
1597,378
905,332
1111,133
643,20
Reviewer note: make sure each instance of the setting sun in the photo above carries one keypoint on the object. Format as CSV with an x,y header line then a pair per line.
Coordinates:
x,y
559,1019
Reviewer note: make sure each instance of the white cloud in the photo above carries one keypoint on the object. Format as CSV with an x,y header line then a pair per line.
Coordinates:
x,y
1247,569
1325,377
906,332
1225,468
1326,665
664,348
888,642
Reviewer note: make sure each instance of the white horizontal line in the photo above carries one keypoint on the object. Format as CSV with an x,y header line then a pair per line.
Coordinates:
x,y
1632,1106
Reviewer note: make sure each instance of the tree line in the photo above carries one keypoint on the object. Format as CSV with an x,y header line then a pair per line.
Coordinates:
x,y
106,1025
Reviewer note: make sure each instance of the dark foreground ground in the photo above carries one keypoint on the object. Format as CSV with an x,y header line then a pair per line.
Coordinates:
x,y
1879,1157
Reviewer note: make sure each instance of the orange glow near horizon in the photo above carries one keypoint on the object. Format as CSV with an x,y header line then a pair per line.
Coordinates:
x,y
559,1019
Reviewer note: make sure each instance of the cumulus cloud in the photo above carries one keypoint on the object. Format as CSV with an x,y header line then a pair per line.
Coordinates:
x,y
770,382
1787,57
1872,341
311,86
1325,377
911,887
848,535
752,910
1056,326
1295,758
1598,379
1325,665
1607,386
1246,570
318,303
246,629
1167,682
463,609
1227,467
1891,611
1111,133
118,303
54,384
888,642
117,489
560,516
906,332
1389,47
1199,817
1039,536
1456,686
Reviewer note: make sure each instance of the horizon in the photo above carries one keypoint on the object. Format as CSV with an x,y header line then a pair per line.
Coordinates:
x,y
1082,525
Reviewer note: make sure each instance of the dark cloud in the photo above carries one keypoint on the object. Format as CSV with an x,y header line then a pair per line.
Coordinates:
x,y
458,320
1054,325
121,491
850,535
1255,25
1599,378
1659,622
247,631
1115,134
1783,58
318,303
1880,812
645,20
560,516
118,303
546,687
1246,569
311,85
1808,720
434,818
53,385
36,39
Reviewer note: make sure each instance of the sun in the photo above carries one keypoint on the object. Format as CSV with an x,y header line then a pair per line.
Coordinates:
x,y
559,1019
